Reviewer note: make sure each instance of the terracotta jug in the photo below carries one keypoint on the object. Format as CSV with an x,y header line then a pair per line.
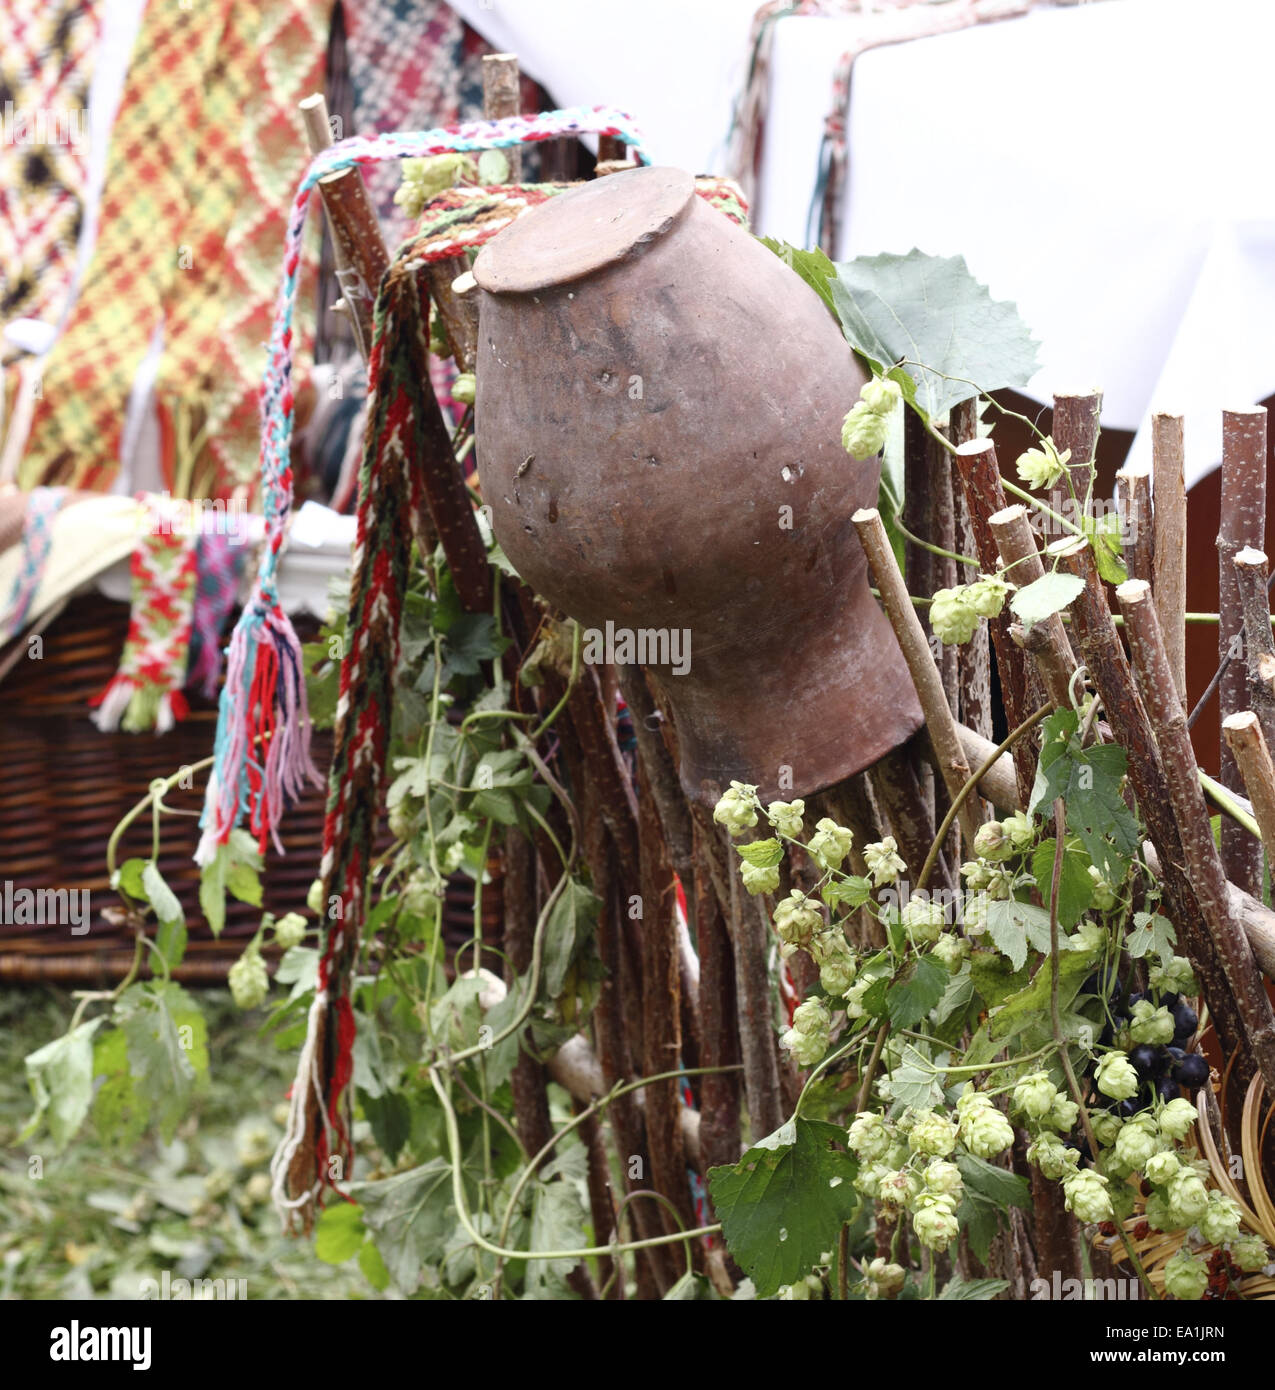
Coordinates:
x,y
658,415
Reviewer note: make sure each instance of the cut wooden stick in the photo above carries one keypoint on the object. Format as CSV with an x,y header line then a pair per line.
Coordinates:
x,y
501,98
1251,577
1243,732
1076,427
357,244
1047,641
1203,862
1168,483
981,483
1242,523
953,768
974,669
1133,499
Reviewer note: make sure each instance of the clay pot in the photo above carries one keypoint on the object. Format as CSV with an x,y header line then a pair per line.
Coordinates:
x,y
659,414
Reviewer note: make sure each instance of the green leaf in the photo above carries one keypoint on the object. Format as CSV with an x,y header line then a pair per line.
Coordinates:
x,y
1075,887
761,854
339,1233
1007,925
1089,780
373,1267
874,997
171,941
957,995
989,1193
472,639
120,1111
914,1081
852,891
60,1075
784,1203
980,1290
160,896
813,266
559,1211
692,1288
391,1119
162,1052
1049,594
410,1216
931,310
916,992
1031,1004
994,978
1107,546
572,920
212,890
1151,932
128,878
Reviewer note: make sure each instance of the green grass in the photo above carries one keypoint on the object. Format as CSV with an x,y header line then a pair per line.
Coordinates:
x,y
95,1221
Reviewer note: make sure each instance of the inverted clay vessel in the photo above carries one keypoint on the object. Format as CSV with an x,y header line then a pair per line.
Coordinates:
x,y
658,433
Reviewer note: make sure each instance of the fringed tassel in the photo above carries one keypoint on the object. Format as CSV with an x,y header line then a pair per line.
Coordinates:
x,y
293,1171
137,706
261,759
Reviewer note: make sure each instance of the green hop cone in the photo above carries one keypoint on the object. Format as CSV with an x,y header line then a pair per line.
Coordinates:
x,y
314,897
953,619
1177,1119
1187,1195
1034,1095
863,432
935,1221
837,966
881,395
465,388
1221,1222
1159,1215
1086,1196
830,843
1041,468
1249,1253
882,1279
951,951
1174,976
943,1178
737,809
869,1178
785,817
1020,830
1104,895
932,1134
289,930
1136,1142
248,979
1063,1114
987,596
1161,1168
883,861
854,998
1150,1024
758,878
1116,1077
924,918
797,918
807,1049
812,1017
974,916
868,1137
985,1132
1054,1159
1186,1276
897,1189
1105,1125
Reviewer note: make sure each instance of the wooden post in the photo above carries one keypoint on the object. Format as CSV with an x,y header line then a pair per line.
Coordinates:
x,y
1243,731
1204,864
357,244
1242,523
1133,496
502,98
916,652
1076,427
1251,576
1168,482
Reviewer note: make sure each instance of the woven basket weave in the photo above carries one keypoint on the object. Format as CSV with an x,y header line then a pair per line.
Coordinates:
x,y
64,786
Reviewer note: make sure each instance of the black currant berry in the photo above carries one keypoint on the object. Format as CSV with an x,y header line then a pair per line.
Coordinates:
x,y
1185,1021
1145,1059
1168,1088
1192,1071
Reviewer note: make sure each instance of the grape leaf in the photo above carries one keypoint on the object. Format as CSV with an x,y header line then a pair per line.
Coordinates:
x,y
60,1075
914,1081
913,996
410,1217
1075,887
1049,594
1151,932
784,1203
162,1066
1013,926
813,266
931,310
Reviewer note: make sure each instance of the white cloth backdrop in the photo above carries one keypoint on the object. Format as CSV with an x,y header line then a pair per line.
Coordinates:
x,y
1103,165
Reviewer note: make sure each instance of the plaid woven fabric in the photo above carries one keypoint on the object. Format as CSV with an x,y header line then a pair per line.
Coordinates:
x,y
150,181
145,693
45,70
205,152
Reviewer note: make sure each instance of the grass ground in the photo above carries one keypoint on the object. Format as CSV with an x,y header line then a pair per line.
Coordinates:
x,y
96,1222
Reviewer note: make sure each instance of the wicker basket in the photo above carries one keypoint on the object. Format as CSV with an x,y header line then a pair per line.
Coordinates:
x,y
64,786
